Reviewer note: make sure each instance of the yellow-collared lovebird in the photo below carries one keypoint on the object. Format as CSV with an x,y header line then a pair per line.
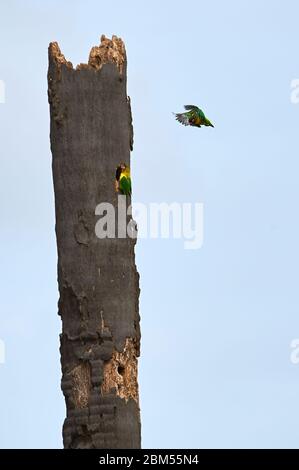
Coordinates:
x,y
123,179
193,117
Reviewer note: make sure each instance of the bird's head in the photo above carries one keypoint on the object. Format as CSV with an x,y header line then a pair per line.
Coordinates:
x,y
122,167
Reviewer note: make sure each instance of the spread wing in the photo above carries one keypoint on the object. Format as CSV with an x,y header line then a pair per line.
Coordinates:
x,y
182,118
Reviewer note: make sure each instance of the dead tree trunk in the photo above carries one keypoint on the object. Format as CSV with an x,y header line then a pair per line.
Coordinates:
x,y
91,134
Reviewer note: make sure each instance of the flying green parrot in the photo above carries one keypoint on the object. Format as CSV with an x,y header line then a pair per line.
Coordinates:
x,y
123,179
193,117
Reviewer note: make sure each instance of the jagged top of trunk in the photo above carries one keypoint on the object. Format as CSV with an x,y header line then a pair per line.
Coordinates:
x,y
109,51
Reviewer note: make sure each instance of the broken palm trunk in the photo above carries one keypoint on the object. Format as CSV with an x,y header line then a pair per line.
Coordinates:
x,y
91,133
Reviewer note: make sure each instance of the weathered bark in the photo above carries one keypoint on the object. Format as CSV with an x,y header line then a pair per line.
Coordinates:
x,y
91,133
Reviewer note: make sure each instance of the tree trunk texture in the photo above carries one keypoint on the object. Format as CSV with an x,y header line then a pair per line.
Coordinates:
x,y
91,134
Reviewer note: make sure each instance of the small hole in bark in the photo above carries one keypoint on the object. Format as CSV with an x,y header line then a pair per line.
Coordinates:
x,y
121,370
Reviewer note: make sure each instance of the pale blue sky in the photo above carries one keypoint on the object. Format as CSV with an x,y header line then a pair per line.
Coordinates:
x,y
217,323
